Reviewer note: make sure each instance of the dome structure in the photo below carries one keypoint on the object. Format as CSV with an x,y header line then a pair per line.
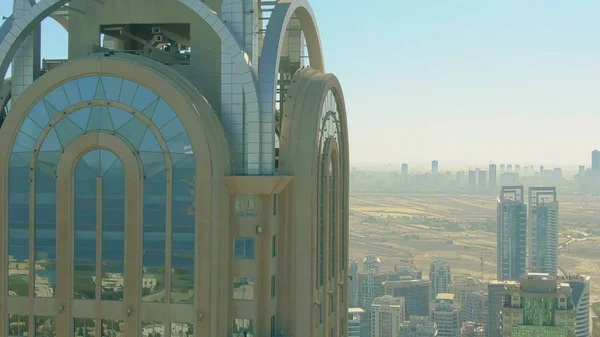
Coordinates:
x,y
184,172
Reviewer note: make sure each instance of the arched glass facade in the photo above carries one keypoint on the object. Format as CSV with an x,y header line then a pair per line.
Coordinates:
x,y
156,136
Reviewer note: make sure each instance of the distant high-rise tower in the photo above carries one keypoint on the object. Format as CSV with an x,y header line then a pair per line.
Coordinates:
x,y
596,160
511,239
445,313
440,276
355,317
387,313
370,286
405,169
539,306
372,263
434,167
483,186
415,294
472,181
580,284
460,178
502,168
353,289
543,230
517,168
475,308
493,177
526,169
509,168
541,171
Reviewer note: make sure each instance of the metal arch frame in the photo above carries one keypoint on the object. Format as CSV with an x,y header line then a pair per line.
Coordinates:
x,y
269,63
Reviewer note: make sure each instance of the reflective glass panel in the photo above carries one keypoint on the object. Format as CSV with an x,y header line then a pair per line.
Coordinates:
x,y
45,326
39,114
112,328
85,198
57,98
127,92
23,143
183,232
80,117
72,91
67,130
243,289
172,129
51,142
245,206
119,117
142,99
18,326
154,245
87,87
100,119
84,327
31,128
153,329
113,226
243,248
163,114
45,233
182,329
18,227
243,327
112,87
150,143
133,131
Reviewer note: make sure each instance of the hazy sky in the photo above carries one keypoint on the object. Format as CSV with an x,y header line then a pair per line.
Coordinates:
x,y
464,82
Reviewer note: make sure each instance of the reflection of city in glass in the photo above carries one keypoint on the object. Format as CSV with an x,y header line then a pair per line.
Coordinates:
x,y
539,311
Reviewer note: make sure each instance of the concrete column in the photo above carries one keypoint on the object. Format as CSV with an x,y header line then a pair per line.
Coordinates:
x,y
26,64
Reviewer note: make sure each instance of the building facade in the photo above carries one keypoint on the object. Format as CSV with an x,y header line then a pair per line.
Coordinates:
x,y
511,238
355,317
476,309
543,230
580,285
445,313
415,294
353,289
159,181
387,313
461,287
496,292
440,277
493,177
418,326
372,263
370,286
539,306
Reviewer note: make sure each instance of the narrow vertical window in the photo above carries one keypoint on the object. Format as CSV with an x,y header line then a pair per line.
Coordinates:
x,y
274,245
18,225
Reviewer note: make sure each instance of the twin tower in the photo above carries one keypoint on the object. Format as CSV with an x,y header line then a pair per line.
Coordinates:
x,y
184,172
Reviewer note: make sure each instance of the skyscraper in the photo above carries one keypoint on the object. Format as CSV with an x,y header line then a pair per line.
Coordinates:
x,y
461,287
596,160
387,313
415,294
440,276
434,167
509,168
475,308
353,289
404,169
502,168
511,239
371,263
543,230
370,286
539,306
160,158
580,285
517,168
472,181
483,186
493,177
445,313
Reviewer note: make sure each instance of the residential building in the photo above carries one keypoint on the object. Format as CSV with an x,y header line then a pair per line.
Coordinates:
x,y
543,230
580,284
355,316
405,272
353,289
496,292
370,286
404,169
445,313
146,182
596,160
418,326
387,313
461,287
476,309
472,181
415,294
434,167
371,263
440,276
539,306
483,185
511,239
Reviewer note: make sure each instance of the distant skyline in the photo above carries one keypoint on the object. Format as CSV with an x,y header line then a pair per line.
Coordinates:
x,y
461,82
